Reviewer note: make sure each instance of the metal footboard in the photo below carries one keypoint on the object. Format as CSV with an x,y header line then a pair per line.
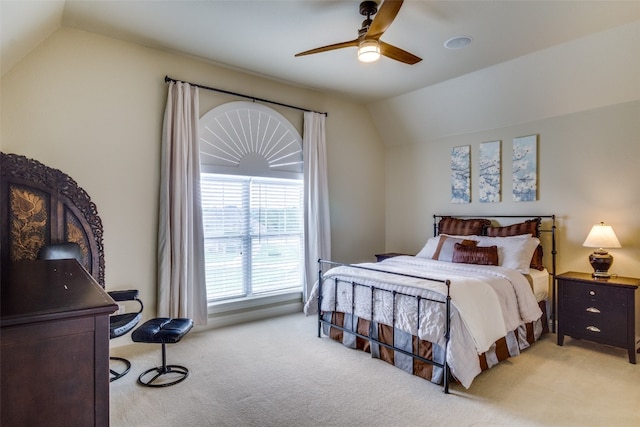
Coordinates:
x,y
354,284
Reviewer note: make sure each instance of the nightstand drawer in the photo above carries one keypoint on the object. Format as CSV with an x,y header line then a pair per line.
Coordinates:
x,y
606,329
608,295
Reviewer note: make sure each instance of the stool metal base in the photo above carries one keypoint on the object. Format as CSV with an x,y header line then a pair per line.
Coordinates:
x,y
113,374
165,369
181,371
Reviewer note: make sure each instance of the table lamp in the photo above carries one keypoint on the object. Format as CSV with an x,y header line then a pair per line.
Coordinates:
x,y
601,236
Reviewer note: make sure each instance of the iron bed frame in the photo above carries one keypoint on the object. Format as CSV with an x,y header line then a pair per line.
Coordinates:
x,y
447,299
444,366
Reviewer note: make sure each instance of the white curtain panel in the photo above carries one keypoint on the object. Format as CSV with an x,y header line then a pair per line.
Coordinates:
x,y
316,199
181,278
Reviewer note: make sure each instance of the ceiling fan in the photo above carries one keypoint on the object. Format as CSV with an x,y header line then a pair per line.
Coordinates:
x,y
369,45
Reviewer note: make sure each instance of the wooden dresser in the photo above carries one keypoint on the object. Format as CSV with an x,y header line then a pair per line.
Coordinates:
x,y
600,310
55,345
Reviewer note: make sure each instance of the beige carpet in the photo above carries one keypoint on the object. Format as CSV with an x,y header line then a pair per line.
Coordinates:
x,y
297,379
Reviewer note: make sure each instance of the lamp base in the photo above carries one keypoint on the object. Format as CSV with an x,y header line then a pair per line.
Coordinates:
x,y
601,261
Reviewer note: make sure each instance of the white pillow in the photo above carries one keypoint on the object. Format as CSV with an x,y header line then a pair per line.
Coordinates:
x,y
514,252
429,248
446,246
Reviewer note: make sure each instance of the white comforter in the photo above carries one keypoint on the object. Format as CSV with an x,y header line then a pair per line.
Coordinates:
x,y
487,302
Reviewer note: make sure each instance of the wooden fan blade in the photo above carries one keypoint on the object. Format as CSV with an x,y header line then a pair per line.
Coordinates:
x,y
398,54
335,46
383,19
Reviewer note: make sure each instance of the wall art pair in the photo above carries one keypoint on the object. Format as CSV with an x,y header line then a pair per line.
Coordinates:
x,y
524,172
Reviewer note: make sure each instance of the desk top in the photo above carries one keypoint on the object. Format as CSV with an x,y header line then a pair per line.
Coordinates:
x,y
36,291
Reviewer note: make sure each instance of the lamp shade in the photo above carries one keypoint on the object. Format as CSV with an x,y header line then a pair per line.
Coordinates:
x,y
368,51
602,236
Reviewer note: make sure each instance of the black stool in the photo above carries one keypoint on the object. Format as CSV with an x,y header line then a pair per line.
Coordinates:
x,y
163,331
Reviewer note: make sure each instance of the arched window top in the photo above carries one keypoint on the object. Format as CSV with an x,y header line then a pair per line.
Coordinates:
x,y
245,138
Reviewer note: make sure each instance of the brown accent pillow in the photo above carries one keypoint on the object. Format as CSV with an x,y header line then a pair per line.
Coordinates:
x,y
462,227
530,226
445,248
481,255
536,260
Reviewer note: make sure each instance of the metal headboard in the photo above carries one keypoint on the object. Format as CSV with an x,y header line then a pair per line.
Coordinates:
x,y
549,228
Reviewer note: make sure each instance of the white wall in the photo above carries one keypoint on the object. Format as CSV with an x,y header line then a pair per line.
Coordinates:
x,y
582,99
92,107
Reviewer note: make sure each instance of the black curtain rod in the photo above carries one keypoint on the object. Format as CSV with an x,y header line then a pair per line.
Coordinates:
x,y
168,79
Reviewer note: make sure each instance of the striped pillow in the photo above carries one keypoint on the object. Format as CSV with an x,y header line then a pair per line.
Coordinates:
x,y
462,227
529,226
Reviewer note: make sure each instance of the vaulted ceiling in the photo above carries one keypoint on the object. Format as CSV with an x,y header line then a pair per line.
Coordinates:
x,y
262,36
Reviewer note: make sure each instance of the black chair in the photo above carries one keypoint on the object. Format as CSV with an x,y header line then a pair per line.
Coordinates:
x,y
119,324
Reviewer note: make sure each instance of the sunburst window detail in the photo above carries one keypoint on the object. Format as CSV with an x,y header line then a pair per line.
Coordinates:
x,y
244,138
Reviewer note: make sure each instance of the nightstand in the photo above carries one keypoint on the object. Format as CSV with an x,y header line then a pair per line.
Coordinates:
x,y
599,310
382,257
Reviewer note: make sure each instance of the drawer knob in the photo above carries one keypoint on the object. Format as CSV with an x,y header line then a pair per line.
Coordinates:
x,y
593,310
592,293
593,329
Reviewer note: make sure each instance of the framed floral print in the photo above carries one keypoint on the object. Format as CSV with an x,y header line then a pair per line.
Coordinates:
x,y
489,179
461,174
525,168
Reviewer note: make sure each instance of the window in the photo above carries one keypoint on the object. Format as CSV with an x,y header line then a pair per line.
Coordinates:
x,y
252,202
253,232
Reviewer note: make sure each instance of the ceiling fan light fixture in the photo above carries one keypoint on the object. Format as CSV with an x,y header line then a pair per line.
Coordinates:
x,y
369,51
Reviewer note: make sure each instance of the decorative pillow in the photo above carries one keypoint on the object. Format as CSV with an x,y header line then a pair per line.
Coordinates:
x,y
482,255
429,248
462,227
536,261
446,246
530,226
514,252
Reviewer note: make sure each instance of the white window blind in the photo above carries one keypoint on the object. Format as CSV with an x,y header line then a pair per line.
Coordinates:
x,y
253,231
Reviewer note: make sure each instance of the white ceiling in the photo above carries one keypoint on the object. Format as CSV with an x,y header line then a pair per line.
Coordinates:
x,y
262,36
